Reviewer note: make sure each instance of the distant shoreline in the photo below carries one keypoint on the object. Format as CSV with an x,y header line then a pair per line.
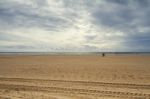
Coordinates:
x,y
73,53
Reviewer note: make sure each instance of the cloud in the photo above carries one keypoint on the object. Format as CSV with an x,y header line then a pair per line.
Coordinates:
x,y
27,14
130,17
74,25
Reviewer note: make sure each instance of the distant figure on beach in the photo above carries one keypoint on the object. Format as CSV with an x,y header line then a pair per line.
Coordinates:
x,y
103,54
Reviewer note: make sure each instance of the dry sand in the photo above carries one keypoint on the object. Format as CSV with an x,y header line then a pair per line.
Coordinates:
x,y
75,77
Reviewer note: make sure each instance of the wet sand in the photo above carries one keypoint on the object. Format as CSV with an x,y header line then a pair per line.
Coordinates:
x,y
75,77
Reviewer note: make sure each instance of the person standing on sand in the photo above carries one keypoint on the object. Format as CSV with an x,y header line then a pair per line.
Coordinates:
x,y
103,54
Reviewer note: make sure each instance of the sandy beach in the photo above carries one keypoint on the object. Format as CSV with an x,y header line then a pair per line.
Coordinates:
x,y
74,77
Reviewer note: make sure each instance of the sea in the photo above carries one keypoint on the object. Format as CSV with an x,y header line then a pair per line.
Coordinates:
x,y
73,53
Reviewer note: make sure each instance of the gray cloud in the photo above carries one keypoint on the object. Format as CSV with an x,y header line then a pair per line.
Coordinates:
x,y
122,14
128,16
15,15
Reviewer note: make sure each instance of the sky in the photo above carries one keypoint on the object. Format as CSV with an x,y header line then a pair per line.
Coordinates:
x,y
74,25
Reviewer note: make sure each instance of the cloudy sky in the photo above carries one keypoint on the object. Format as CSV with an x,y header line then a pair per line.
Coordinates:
x,y
74,25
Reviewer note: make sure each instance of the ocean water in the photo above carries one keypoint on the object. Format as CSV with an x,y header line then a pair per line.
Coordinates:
x,y
73,53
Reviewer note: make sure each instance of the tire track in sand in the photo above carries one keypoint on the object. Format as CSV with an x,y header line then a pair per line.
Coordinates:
x,y
57,89
87,83
127,95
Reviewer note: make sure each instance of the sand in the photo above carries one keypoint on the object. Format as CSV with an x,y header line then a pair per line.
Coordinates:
x,y
75,77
